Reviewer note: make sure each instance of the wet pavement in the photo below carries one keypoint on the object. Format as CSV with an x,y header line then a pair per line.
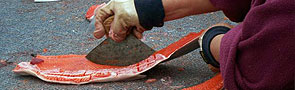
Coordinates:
x,y
57,28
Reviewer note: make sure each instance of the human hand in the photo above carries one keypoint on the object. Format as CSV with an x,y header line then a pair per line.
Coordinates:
x,y
125,20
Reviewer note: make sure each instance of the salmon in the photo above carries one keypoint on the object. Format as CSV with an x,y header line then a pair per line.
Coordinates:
x,y
91,11
76,69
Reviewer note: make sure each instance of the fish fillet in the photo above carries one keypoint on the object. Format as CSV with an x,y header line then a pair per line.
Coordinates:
x,y
76,69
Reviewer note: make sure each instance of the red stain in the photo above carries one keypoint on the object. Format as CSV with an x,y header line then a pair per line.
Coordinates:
x,y
36,61
137,67
25,81
2,61
105,42
150,80
45,50
5,63
180,69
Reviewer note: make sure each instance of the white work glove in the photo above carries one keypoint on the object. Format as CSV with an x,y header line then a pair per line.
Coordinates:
x,y
125,18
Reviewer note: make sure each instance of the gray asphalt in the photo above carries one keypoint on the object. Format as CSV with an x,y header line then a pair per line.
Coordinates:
x,y
60,27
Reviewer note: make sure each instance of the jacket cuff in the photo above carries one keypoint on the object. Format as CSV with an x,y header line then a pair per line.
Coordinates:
x,y
150,13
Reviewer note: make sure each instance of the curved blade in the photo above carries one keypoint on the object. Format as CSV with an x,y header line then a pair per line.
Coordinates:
x,y
191,46
127,52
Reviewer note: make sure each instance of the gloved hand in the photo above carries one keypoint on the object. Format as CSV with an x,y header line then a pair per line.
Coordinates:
x,y
135,15
125,17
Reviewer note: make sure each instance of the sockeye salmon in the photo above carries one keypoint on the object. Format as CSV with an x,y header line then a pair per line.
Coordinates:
x,y
76,69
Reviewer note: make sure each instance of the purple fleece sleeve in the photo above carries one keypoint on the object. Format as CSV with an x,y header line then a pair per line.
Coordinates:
x,y
235,10
259,53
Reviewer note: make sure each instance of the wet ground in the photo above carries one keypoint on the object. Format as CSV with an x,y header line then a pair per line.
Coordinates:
x,y
57,28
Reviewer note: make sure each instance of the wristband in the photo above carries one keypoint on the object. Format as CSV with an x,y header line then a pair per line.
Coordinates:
x,y
150,13
205,44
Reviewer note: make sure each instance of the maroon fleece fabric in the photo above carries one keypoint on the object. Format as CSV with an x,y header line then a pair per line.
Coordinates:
x,y
259,53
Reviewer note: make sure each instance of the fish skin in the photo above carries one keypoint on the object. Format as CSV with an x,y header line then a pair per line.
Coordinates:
x,y
76,69
82,71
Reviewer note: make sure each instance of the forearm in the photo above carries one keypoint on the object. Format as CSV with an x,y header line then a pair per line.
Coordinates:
x,y
215,46
175,9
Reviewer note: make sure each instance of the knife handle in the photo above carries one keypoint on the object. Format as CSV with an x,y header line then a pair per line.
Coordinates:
x,y
107,25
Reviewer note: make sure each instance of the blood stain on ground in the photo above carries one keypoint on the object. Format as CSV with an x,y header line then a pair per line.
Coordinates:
x,y
151,80
105,42
180,69
45,50
4,63
25,81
